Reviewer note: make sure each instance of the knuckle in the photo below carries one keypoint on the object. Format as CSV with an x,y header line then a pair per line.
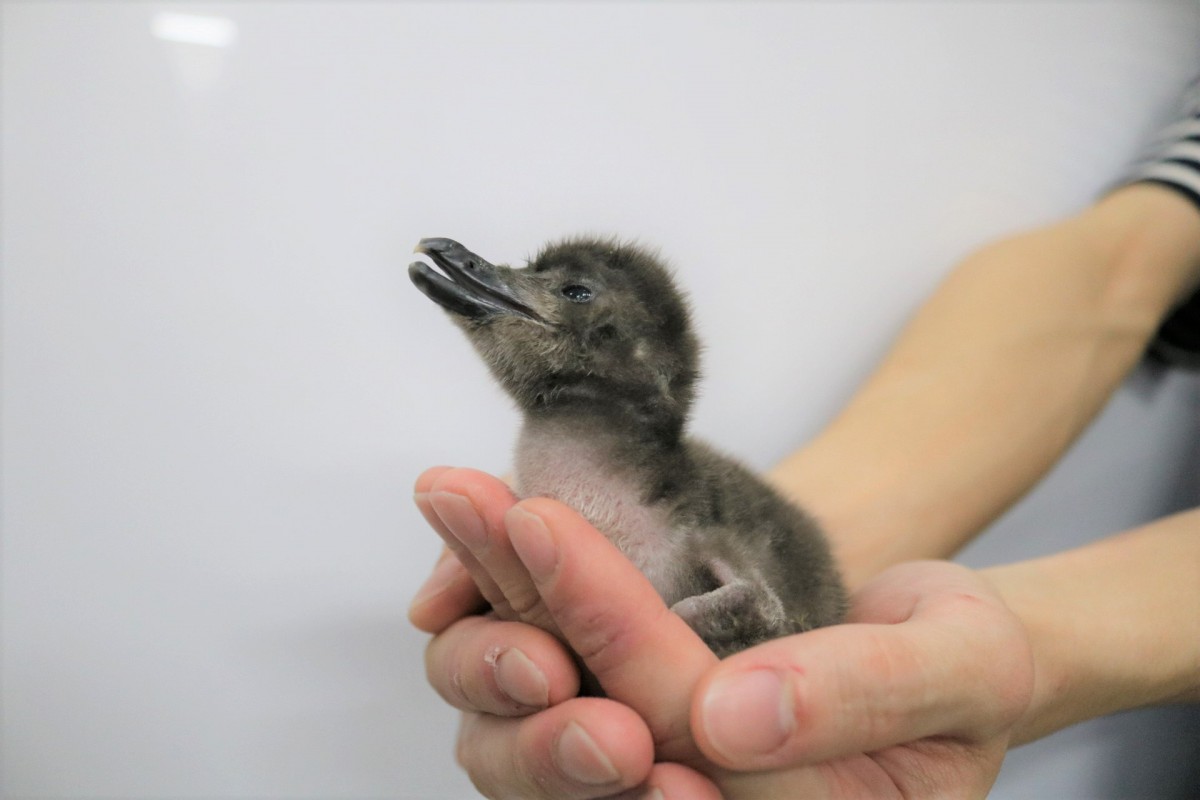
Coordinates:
x,y
524,601
504,609
600,637
478,759
458,692
454,668
446,677
467,746
462,749
531,610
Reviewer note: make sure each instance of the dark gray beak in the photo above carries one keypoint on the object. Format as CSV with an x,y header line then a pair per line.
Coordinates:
x,y
471,287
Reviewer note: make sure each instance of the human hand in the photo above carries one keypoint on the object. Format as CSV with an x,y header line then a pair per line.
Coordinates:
x,y
499,672
915,695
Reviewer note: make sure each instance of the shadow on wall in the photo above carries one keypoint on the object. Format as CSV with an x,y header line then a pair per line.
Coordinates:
x,y
1184,492
1151,378
1153,747
1157,747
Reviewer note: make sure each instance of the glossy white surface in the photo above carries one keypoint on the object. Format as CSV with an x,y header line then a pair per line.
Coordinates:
x,y
219,385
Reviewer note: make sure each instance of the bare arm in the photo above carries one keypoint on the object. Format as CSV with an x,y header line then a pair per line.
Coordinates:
x,y
995,376
992,380
1114,625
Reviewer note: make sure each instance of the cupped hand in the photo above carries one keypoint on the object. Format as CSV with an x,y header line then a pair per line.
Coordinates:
x,y
914,695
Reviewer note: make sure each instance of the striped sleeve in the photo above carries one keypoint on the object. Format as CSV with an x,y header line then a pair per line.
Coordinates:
x,y
1172,160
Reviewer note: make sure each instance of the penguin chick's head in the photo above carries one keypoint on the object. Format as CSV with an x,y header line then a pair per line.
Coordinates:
x,y
589,324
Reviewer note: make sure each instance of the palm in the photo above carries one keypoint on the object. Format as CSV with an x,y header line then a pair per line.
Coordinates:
x,y
913,696
962,753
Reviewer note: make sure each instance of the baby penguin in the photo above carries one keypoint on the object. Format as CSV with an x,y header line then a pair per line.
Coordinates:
x,y
595,344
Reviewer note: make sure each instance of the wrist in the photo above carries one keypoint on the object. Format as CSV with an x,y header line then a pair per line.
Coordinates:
x,y
1113,625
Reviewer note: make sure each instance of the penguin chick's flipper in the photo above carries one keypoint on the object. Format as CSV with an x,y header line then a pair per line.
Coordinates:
x,y
738,614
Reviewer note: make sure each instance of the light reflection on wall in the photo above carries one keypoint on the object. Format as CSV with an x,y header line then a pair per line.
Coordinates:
x,y
194,29
198,46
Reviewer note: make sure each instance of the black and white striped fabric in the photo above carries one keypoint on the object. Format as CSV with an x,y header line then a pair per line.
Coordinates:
x,y
1173,160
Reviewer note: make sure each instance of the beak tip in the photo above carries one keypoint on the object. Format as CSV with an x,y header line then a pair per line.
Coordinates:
x,y
436,244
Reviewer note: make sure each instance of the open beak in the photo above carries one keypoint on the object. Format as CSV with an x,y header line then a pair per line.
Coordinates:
x,y
471,287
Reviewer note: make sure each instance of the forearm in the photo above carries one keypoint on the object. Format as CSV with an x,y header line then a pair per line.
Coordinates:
x,y
994,377
1113,626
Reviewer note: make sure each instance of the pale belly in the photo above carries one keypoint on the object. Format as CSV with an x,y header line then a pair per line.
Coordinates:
x,y
574,473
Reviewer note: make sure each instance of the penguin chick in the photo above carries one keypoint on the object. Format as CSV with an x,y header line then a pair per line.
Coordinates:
x,y
594,343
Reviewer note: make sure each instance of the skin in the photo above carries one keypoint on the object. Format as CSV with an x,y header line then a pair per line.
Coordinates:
x,y
1030,335
939,669
651,664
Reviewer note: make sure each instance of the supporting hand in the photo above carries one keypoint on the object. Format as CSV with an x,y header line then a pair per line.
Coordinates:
x,y
915,695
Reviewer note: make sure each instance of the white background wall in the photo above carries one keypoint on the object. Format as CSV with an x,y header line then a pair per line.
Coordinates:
x,y
219,384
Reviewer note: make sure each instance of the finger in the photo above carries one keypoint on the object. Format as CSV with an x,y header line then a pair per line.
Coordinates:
x,y
448,594
427,478
954,664
668,781
472,504
458,519
501,668
583,748
642,654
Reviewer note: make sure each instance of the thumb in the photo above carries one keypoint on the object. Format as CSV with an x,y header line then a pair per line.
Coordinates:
x,y
950,660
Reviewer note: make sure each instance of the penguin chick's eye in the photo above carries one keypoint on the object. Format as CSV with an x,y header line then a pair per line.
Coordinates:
x,y
577,294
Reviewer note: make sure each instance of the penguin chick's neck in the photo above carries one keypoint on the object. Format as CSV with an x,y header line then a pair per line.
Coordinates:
x,y
595,445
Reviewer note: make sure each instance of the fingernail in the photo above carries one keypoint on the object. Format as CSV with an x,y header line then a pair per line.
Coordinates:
x,y
748,714
653,793
461,518
532,541
520,679
582,760
438,581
